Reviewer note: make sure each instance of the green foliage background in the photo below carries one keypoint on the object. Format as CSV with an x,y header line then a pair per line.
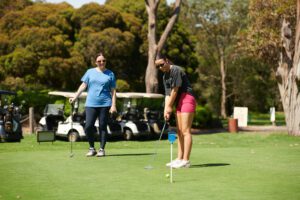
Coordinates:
x,y
46,46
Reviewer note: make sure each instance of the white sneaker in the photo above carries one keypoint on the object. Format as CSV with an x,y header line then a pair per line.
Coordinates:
x,y
182,164
101,153
173,162
91,152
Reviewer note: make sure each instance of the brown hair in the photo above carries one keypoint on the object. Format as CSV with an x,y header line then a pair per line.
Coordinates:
x,y
100,54
165,58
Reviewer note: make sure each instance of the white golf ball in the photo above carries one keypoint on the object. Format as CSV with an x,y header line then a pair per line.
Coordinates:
x,y
167,175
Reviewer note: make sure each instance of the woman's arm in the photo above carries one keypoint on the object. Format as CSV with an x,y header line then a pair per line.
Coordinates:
x,y
169,102
113,107
81,88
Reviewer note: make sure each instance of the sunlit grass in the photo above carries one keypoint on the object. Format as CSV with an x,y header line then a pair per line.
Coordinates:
x,y
224,166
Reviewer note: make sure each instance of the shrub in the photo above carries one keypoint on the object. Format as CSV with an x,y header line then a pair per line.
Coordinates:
x,y
122,86
203,117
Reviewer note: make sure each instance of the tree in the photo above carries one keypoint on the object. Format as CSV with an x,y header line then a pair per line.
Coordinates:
x,y
288,74
102,28
217,23
36,48
268,41
13,5
179,46
154,47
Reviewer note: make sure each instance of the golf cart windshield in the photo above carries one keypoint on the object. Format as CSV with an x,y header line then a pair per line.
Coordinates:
x,y
54,109
78,105
136,106
133,101
140,101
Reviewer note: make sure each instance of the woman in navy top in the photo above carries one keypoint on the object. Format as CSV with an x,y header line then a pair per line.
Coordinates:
x,y
100,83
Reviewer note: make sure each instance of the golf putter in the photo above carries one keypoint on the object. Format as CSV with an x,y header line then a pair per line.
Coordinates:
x,y
72,110
154,155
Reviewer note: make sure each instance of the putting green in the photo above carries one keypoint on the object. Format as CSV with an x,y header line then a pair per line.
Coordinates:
x,y
224,166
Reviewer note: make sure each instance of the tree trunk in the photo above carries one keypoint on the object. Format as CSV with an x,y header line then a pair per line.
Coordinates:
x,y
288,76
155,48
223,84
151,72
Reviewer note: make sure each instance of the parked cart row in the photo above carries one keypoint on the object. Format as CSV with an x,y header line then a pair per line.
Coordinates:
x,y
139,114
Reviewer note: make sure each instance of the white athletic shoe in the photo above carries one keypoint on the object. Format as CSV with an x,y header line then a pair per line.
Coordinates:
x,y
182,164
173,162
91,152
101,153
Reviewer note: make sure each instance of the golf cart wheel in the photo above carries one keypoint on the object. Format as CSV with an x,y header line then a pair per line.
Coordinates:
x,y
128,134
73,136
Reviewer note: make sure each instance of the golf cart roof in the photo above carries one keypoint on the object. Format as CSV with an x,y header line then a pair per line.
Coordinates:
x,y
66,94
119,94
139,95
7,92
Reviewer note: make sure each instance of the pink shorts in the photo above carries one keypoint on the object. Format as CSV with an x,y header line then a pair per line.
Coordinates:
x,y
186,104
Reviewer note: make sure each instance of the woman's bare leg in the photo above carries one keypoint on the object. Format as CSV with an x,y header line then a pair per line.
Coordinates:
x,y
180,144
186,120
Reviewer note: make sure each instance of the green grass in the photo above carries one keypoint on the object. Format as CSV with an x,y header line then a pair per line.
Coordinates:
x,y
264,119
261,119
224,166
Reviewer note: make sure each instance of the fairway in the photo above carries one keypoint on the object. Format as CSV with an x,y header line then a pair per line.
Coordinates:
x,y
224,166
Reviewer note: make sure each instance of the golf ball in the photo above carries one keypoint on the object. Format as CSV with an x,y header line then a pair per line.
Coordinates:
x,y
167,175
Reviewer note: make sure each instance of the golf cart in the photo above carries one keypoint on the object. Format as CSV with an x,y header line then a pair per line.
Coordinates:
x,y
10,125
140,114
72,127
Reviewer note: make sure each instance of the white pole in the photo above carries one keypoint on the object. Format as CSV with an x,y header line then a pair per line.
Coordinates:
x,y
171,168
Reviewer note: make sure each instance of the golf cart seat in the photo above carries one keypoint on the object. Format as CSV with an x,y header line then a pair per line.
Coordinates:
x,y
114,126
52,121
131,114
153,115
79,117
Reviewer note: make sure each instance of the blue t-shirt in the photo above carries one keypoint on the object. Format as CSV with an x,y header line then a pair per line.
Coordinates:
x,y
99,86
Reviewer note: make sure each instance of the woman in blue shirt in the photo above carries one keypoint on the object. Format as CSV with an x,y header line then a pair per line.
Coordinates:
x,y
100,83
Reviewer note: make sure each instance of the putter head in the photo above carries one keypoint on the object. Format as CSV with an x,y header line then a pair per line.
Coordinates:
x,y
148,167
71,155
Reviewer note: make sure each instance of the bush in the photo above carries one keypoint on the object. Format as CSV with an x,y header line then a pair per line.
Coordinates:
x,y
122,86
31,98
203,117
37,99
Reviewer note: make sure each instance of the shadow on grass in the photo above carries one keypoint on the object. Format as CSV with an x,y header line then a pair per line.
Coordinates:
x,y
131,154
209,165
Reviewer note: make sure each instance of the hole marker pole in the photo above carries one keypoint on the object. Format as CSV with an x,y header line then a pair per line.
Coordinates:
x,y
171,138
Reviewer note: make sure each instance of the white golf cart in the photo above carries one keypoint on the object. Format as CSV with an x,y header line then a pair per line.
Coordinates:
x,y
141,114
72,127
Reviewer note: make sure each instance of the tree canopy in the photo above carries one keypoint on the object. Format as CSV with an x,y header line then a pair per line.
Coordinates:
x,y
50,46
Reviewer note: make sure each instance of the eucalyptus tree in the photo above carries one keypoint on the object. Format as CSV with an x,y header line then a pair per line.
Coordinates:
x,y
217,24
38,51
13,5
280,48
179,45
102,28
155,45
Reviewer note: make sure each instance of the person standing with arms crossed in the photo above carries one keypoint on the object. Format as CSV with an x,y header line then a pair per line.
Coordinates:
x,y
101,100
178,92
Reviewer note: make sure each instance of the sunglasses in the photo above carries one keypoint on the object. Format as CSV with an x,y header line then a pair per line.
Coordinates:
x,y
160,65
101,61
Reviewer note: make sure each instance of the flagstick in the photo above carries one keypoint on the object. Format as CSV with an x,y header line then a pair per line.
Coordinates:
x,y
171,168
171,138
